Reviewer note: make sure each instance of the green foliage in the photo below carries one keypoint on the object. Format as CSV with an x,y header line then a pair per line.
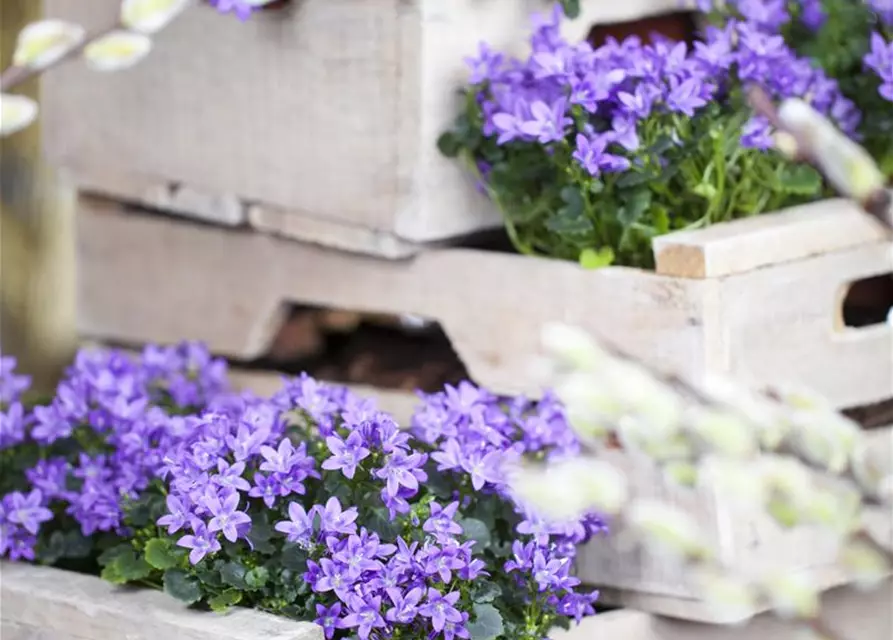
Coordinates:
x,y
487,623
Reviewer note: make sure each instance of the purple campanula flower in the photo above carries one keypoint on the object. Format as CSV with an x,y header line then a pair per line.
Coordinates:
x,y
640,102
329,618
12,385
177,516
299,526
880,60
548,123
812,14
365,614
334,520
201,543
485,65
442,561
402,470
623,132
509,125
50,477
12,425
346,454
332,576
229,476
685,97
766,14
280,459
27,511
242,9
406,605
266,488
50,425
227,519
441,608
591,155
757,133
441,523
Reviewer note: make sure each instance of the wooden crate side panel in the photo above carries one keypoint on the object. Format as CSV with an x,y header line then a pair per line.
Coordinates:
x,y
784,324
296,108
144,278
746,540
65,605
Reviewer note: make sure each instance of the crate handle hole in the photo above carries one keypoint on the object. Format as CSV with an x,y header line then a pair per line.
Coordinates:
x,y
867,302
401,353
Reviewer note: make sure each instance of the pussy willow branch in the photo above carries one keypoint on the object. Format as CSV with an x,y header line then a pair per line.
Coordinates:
x,y
15,75
877,204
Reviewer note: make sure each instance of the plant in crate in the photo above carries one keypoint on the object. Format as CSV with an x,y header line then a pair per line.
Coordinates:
x,y
310,504
592,152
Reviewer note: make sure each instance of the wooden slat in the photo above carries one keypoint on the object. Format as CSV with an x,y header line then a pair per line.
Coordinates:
x,y
40,603
65,605
751,243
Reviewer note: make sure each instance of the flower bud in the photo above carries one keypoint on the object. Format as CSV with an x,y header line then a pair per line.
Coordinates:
x,y
149,16
41,44
865,563
118,50
16,113
847,166
571,346
730,599
667,530
569,488
792,595
724,432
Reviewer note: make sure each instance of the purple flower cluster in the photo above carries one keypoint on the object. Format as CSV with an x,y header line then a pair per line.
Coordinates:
x,y
106,409
315,474
565,87
476,435
880,60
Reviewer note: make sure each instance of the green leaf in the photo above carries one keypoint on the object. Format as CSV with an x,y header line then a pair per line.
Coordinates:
x,y
449,145
800,179
294,558
633,178
223,601
127,566
705,190
111,554
476,530
487,623
486,591
158,554
571,8
635,204
182,586
233,574
596,258
257,577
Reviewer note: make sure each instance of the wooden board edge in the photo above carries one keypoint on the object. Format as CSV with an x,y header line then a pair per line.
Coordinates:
x,y
759,241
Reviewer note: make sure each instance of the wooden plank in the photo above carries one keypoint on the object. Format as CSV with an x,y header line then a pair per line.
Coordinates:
x,y
40,603
170,277
330,233
67,605
750,243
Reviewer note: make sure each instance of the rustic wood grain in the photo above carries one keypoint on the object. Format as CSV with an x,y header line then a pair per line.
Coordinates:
x,y
71,606
329,109
751,243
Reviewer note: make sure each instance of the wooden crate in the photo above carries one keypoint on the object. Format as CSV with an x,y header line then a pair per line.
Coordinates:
x,y
757,298
40,603
318,120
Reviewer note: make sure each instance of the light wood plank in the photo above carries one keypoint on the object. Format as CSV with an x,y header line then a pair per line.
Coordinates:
x,y
750,243
65,605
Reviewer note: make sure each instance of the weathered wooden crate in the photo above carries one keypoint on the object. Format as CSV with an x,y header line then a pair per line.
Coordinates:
x,y
759,298
49,604
318,120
